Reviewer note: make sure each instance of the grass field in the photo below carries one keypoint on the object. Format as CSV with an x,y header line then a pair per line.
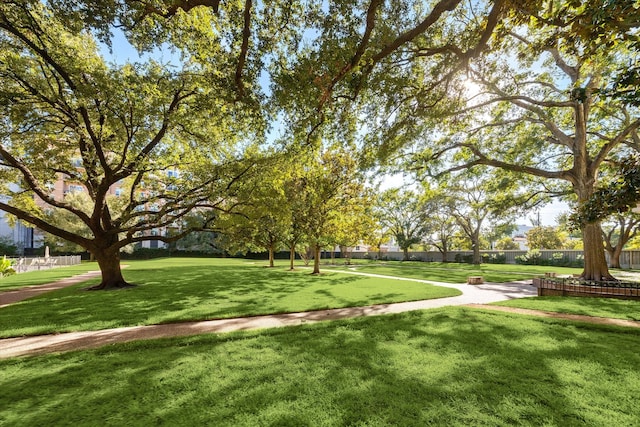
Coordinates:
x,y
599,307
179,289
44,276
454,366
457,272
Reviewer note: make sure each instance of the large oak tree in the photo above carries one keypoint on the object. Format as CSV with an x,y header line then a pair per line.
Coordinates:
x,y
164,136
539,104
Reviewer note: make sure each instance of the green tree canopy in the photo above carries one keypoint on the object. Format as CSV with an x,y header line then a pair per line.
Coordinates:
x,y
543,237
168,138
403,214
537,105
480,199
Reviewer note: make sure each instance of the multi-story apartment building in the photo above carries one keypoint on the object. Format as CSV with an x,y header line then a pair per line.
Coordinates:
x,y
27,238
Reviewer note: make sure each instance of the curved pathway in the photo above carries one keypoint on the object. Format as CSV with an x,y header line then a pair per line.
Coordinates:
x,y
473,296
10,297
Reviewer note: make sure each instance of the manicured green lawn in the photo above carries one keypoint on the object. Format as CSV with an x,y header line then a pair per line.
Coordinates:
x,y
44,276
446,367
178,289
599,307
458,272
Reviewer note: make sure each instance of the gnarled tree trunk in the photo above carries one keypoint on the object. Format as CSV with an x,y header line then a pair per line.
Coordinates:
x,y
595,262
109,263
614,256
445,254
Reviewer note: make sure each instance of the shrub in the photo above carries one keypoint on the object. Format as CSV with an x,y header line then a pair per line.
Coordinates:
x,y
467,259
499,258
6,267
146,253
558,259
7,247
507,243
533,257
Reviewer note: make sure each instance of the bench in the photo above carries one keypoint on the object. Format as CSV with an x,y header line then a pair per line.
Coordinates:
x,y
475,280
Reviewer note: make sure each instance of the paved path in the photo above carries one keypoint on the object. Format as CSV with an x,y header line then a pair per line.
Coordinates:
x,y
481,294
473,296
10,297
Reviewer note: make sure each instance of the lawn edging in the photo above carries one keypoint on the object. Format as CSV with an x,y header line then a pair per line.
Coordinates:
x,y
556,286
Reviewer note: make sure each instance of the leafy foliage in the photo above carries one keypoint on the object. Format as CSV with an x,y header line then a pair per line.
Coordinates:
x,y
535,105
477,199
507,243
545,238
534,257
374,75
618,232
499,258
6,267
67,220
167,137
331,188
403,213
7,247
620,195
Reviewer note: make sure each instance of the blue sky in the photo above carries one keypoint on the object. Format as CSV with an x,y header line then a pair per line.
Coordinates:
x,y
122,52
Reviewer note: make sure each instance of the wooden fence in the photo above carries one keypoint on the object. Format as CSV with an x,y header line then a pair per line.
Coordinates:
x,y
628,259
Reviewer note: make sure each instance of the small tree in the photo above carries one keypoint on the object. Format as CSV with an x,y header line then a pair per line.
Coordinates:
x,y
477,199
327,186
261,218
403,214
354,223
498,231
507,243
545,237
442,226
294,191
617,234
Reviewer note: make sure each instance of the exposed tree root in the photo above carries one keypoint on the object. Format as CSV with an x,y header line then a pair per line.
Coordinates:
x,y
102,286
602,278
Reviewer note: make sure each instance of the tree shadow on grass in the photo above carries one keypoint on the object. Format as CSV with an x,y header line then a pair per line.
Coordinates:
x,y
605,307
451,366
457,366
175,293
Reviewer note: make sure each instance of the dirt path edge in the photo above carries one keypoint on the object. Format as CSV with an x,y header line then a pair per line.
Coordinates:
x,y
555,315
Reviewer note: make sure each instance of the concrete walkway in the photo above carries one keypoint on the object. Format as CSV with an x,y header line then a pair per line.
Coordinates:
x,y
11,297
477,294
